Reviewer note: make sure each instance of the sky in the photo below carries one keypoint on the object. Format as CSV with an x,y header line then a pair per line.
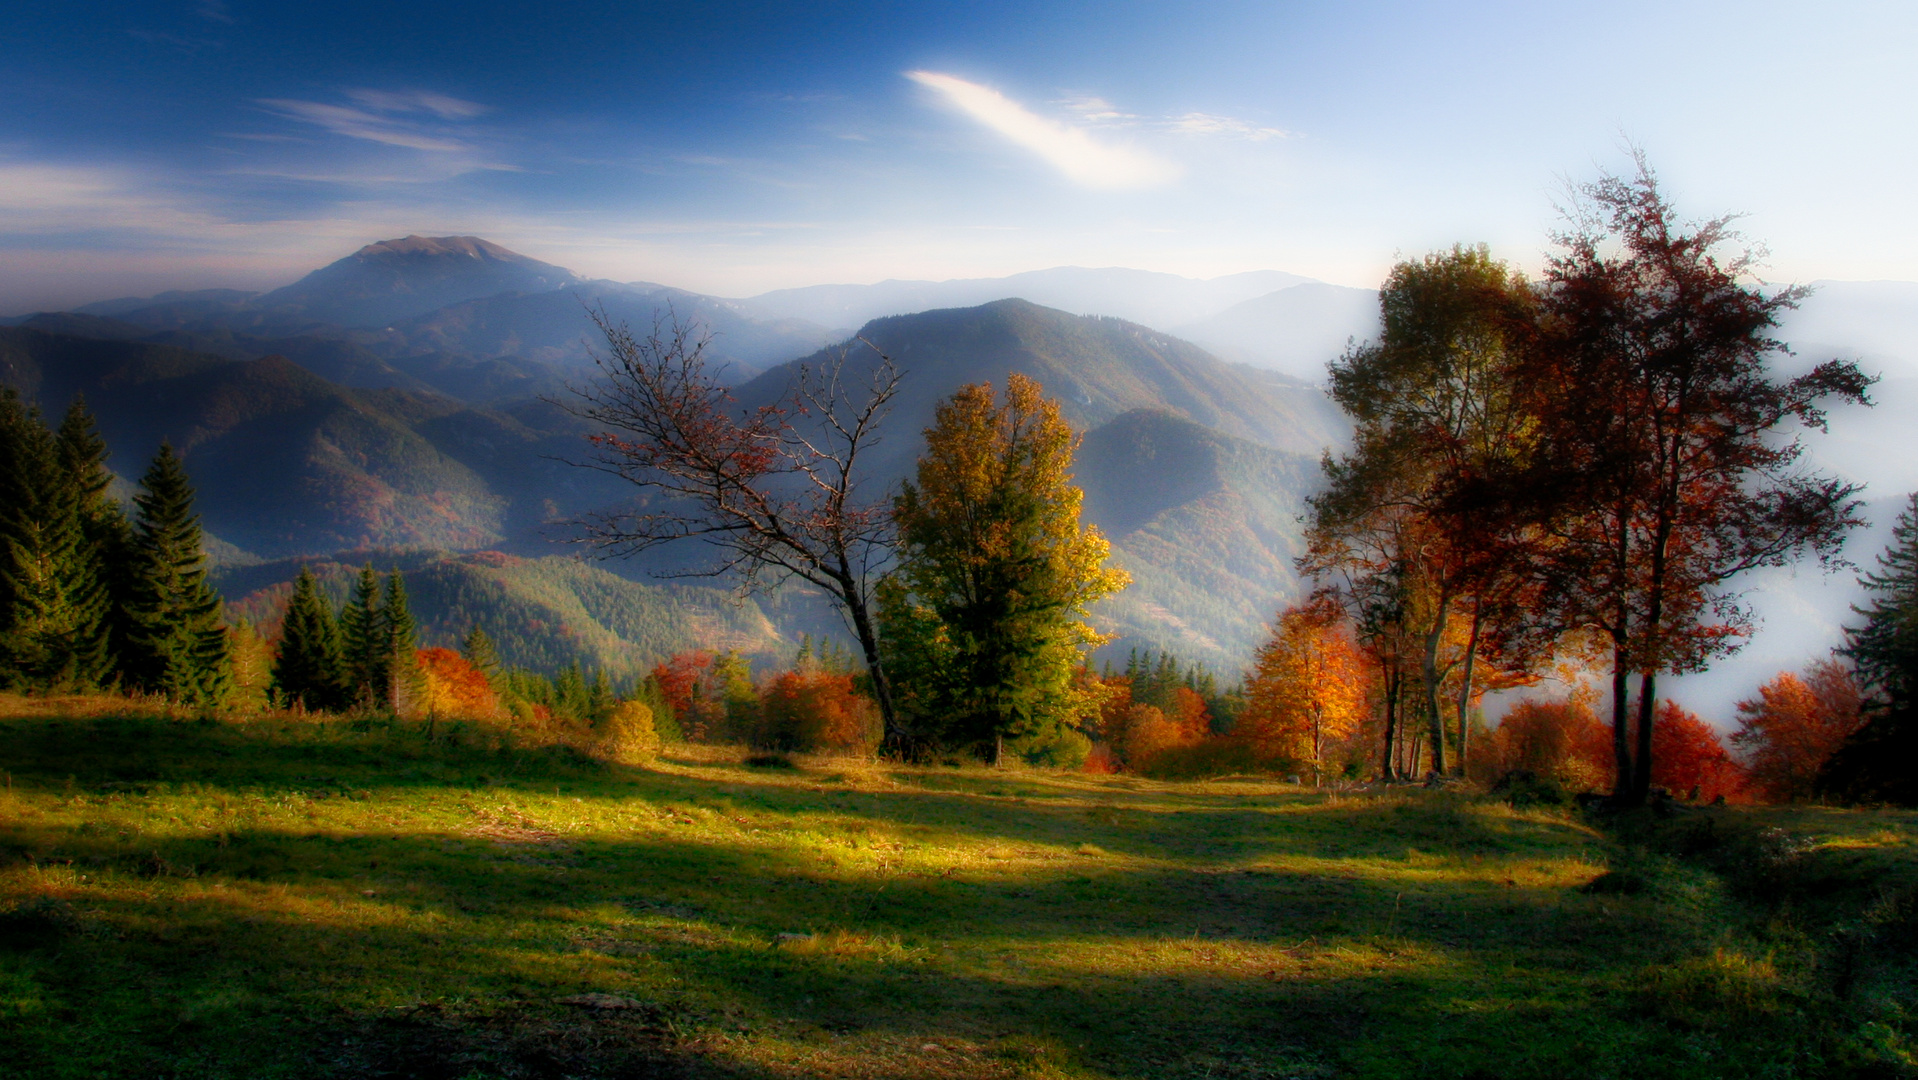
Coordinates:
x,y
736,147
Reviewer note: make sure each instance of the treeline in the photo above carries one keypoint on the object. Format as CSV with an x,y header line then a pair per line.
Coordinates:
x,y
90,598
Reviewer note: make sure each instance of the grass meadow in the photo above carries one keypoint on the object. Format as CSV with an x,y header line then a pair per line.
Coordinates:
x,y
284,897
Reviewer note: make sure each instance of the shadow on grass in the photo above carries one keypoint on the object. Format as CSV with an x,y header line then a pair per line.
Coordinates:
x,y
1166,951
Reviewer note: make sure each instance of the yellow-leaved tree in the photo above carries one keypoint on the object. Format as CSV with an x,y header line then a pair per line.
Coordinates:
x,y
1308,688
983,623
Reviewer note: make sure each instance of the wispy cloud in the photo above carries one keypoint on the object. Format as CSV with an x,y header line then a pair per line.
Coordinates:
x,y
1083,159
386,116
213,11
403,101
1198,123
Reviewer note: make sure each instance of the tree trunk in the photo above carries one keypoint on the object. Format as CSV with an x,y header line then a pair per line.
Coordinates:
x,y
1434,716
897,738
1465,688
1642,767
1621,741
1388,763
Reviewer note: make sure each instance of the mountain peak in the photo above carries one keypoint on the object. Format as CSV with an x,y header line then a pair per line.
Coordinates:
x,y
472,247
397,279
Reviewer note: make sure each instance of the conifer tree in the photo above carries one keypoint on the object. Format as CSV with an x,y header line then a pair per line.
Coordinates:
x,y
53,601
404,682
364,642
1885,649
479,652
107,535
310,667
177,644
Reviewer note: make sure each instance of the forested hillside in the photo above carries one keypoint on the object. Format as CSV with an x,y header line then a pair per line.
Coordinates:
x,y
542,614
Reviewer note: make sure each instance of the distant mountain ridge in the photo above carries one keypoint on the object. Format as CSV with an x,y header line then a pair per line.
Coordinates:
x,y
1141,296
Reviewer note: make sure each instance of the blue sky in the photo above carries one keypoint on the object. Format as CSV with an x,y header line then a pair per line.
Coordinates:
x,y
738,147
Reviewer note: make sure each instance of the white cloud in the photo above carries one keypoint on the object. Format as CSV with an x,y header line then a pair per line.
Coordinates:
x,y
442,105
386,116
1198,123
1082,159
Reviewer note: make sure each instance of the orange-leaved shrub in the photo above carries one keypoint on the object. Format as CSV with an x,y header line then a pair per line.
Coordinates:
x,y
817,711
454,687
1688,759
1561,740
1794,724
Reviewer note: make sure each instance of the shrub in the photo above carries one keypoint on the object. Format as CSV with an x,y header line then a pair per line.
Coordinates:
x,y
627,734
817,711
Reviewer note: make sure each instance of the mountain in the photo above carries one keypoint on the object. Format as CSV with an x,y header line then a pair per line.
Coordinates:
x,y
1099,368
1296,330
408,313
1208,526
397,279
287,463
1140,296
554,328
541,613
1196,469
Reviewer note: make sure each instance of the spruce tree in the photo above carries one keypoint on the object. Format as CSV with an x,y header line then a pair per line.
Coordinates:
x,y
107,536
1879,762
54,603
365,643
177,644
479,652
1885,649
310,667
406,685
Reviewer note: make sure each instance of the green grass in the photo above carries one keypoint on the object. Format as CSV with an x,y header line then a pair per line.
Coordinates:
x,y
282,897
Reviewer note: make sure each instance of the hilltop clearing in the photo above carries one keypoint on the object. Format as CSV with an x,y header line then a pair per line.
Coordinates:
x,y
280,897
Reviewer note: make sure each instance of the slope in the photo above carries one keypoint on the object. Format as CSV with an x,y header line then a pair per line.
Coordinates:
x,y
542,613
1097,367
288,463
1296,330
1208,526
1141,296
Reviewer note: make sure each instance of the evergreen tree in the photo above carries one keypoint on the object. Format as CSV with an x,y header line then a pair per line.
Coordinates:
x,y
107,535
405,683
479,652
1885,649
177,644
364,643
311,667
1879,762
54,604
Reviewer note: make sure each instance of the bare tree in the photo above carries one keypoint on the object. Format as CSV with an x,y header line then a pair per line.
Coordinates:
x,y
774,490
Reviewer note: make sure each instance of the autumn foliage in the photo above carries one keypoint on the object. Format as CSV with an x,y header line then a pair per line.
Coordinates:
x,y
1794,725
817,711
1307,690
1563,740
454,687
1689,760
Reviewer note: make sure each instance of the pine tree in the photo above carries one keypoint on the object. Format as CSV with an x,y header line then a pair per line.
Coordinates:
x,y
364,643
53,601
106,535
177,644
1885,649
405,684
479,652
310,667
1879,761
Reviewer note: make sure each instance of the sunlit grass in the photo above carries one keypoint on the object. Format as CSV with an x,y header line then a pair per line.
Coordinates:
x,y
281,896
